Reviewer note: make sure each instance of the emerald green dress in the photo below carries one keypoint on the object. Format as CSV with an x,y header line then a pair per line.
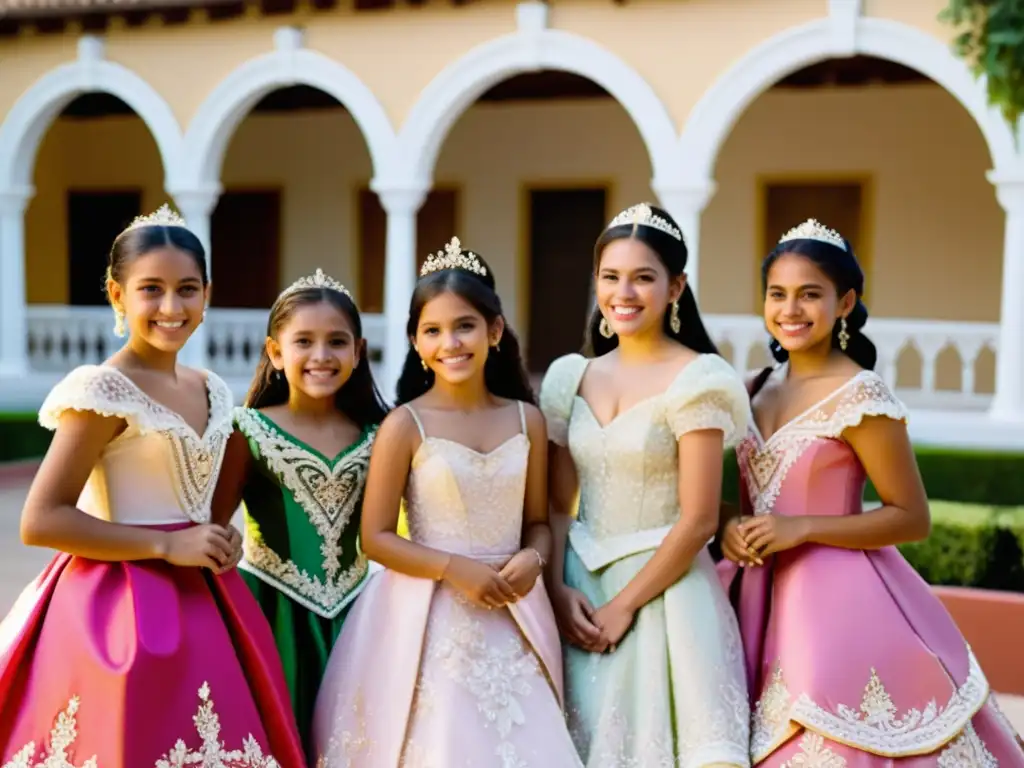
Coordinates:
x,y
302,559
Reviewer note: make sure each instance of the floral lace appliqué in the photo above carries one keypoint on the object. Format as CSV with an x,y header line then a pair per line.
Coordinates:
x,y
876,725
497,676
967,751
814,754
212,753
767,462
62,738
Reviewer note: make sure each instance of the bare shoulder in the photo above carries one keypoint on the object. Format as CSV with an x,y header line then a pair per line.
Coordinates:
x,y
398,426
534,418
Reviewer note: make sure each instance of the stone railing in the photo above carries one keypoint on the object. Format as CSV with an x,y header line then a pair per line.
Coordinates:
x,y
61,337
932,363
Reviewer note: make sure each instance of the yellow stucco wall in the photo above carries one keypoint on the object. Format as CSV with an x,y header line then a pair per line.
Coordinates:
x,y
931,212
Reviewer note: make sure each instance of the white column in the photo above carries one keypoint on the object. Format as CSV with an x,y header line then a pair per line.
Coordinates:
x,y
401,205
1008,404
13,304
195,206
686,203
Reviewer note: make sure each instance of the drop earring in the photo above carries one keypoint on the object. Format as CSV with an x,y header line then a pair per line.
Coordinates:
x,y
605,329
844,337
119,330
673,320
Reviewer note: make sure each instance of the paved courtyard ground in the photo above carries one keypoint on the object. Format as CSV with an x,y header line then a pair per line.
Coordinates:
x,y
20,564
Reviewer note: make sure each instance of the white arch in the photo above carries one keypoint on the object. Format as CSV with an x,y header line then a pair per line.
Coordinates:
x,y
530,49
35,110
215,122
712,119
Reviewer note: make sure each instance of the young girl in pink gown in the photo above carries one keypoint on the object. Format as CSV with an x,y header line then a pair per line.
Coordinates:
x,y
852,661
450,658
139,645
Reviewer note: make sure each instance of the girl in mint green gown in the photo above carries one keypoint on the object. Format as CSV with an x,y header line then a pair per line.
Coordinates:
x,y
297,461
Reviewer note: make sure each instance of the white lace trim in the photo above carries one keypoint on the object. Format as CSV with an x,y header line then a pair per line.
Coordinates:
x,y
708,394
766,463
875,725
196,459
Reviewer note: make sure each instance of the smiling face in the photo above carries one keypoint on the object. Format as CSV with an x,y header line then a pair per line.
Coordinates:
x,y
162,297
801,305
453,338
316,348
634,289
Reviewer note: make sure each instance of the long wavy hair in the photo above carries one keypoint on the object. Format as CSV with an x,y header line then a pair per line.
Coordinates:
x,y
504,372
844,272
672,253
359,399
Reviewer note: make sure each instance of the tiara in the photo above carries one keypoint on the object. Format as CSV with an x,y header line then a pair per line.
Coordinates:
x,y
453,257
317,280
812,229
161,217
642,214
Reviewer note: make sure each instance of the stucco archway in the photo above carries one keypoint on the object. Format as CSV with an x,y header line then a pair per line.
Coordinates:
x,y
714,116
33,113
210,131
531,48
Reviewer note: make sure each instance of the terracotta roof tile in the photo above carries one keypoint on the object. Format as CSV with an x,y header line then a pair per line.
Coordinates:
x,y
38,8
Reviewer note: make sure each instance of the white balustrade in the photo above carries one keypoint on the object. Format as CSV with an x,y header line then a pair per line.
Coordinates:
x,y
61,337
910,356
913,355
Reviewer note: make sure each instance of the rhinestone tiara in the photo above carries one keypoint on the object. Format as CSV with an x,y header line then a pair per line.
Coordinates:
x,y
643,215
453,257
317,280
812,229
161,217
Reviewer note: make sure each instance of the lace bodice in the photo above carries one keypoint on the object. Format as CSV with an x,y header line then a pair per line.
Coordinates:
x,y
629,469
469,503
806,459
158,471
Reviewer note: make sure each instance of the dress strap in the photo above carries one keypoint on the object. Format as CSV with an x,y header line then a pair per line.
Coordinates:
x,y
522,416
416,418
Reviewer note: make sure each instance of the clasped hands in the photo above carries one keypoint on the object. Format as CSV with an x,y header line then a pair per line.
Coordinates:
x,y
747,540
491,587
595,630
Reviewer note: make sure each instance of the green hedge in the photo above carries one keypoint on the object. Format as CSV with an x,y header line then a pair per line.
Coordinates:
x,y
21,437
972,546
990,478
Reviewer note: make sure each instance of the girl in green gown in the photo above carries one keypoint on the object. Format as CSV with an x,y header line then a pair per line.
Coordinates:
x,y
297,461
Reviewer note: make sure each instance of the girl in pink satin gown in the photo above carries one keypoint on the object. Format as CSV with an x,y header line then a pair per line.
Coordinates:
x,y
450,657
852,661
139,645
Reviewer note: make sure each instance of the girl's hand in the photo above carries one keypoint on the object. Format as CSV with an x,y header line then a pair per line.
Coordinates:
x,y
615,621
735,547
235,539
768,534
480,583
575,616
201,546
522,571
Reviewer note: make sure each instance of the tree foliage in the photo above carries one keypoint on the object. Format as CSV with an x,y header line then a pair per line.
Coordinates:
x,y
990,38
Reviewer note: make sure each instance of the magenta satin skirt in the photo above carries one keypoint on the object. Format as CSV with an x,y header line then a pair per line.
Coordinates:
x,y
131,663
